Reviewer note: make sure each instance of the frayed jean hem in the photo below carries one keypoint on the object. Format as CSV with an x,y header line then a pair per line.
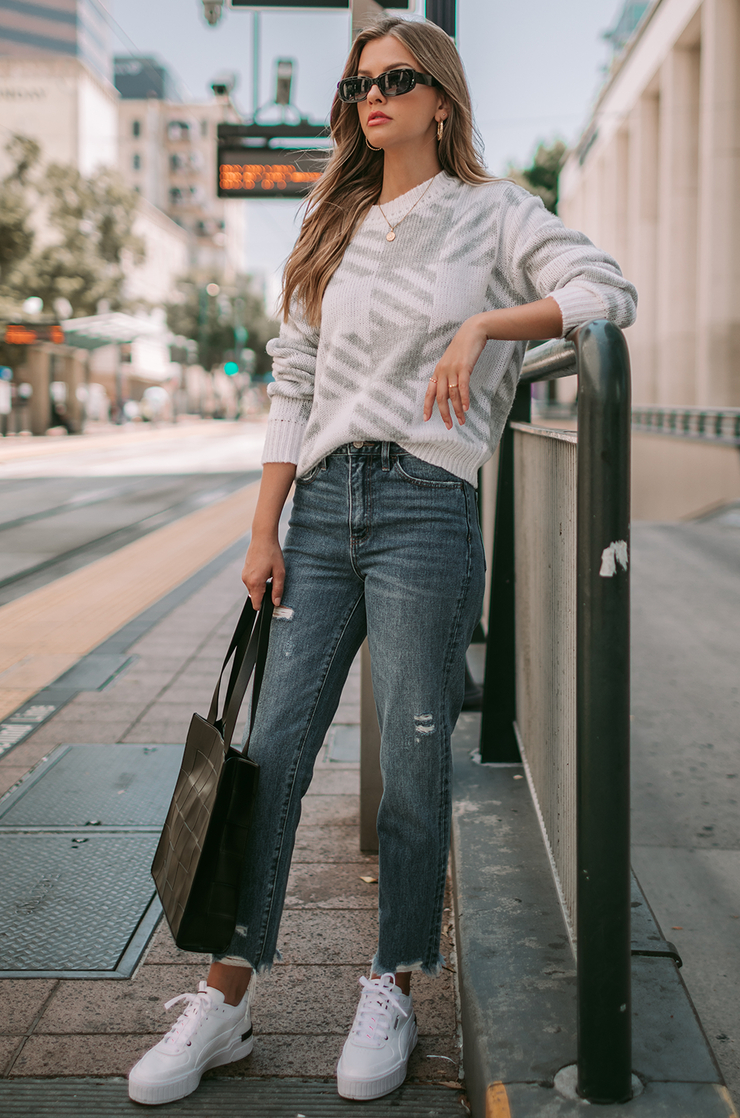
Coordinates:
x,y
433,970
238,961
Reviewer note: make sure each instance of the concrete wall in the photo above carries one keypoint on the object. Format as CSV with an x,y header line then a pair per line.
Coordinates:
x,y
676,479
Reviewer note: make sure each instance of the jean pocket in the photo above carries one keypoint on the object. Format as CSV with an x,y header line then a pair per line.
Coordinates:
x,y
304,479
418,472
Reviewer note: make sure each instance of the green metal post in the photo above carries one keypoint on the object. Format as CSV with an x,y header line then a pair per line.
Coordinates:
x,y
497,738
602,682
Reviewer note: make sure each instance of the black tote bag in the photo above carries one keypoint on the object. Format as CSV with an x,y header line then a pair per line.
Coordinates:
x,y
198,864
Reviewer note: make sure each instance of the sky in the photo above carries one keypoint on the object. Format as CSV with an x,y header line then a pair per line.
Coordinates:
x,y
534,68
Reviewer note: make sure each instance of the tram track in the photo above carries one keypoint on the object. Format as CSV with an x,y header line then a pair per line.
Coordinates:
x,y
95,522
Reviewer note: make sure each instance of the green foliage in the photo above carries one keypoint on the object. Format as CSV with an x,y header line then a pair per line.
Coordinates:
x,y
91,222
541,178
16,232
213,322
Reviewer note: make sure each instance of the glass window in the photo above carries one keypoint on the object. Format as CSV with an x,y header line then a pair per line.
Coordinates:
x,y
204,128
135,127
137,161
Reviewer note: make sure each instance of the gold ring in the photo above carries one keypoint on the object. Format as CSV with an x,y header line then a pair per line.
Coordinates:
x,y
452,386
432,380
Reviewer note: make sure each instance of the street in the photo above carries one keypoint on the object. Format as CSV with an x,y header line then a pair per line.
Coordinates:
x,y
68,501
686,757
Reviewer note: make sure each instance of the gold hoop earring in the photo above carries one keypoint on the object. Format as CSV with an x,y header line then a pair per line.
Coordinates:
x,y
440,129
371,146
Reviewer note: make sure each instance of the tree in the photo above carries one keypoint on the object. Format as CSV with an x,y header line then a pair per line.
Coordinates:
x,y
90,225
16,233
541,178
215,322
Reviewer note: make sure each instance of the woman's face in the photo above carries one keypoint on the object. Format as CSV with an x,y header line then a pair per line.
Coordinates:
x,y
397,121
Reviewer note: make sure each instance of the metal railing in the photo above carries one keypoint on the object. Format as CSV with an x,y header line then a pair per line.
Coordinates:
x,y
716,425
557,668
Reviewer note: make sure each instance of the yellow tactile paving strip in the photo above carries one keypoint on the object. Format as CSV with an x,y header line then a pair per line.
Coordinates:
x,y
47,631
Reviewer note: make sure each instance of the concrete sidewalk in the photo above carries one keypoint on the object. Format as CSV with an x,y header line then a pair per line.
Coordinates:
x,y
67,1027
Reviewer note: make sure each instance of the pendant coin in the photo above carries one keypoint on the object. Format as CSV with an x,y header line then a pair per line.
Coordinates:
x,y
390,236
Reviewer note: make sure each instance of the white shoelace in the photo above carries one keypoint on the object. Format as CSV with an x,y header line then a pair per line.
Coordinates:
x,y
187,1024
373,1018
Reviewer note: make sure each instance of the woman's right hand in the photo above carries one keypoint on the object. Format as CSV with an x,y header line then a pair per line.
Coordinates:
x,y
264,560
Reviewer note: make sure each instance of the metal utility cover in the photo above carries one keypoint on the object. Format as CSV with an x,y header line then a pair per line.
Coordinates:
x,y
77,840
121,786
72,902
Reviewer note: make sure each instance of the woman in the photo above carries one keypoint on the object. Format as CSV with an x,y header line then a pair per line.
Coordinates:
x,y
408,299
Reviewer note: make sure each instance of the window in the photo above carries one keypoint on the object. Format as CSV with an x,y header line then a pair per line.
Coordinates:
x,y
136,161
175,196
135,127
178,130
204,128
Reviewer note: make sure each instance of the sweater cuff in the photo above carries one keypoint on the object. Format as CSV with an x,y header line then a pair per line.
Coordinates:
x,y
283,441
578,304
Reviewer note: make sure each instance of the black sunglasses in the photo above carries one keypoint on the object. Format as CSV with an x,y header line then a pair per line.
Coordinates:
x,y
391,84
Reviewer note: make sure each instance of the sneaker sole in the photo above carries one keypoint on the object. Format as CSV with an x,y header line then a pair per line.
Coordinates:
x,y
349,1087
184,1085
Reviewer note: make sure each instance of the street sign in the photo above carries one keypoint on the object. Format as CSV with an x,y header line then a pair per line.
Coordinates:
x,y
20,333
249,168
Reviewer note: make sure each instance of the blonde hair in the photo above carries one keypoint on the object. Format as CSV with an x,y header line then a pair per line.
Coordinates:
x,y
353,178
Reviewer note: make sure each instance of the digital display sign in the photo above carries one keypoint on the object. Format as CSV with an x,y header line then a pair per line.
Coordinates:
x,y
268,172
316,4
18,333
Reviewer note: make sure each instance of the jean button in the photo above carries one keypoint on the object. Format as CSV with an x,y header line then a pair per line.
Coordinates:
x,y
358,444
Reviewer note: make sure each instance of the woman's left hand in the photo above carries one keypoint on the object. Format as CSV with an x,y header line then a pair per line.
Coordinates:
x,y
450,383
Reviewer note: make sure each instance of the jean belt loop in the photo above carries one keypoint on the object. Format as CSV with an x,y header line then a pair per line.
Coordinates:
x,y
385,456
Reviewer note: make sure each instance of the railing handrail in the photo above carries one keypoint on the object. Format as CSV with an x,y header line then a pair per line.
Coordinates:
x,y
549,361
597,353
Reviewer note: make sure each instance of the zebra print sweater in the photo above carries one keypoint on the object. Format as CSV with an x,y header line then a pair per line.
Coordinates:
x,y
391,309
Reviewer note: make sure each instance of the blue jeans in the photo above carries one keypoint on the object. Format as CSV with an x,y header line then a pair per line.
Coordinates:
x,y
384,545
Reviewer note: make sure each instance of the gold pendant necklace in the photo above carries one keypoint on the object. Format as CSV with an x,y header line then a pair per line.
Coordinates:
x,y
391,236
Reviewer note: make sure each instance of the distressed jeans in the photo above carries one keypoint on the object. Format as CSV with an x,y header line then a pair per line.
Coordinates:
x,y
381,544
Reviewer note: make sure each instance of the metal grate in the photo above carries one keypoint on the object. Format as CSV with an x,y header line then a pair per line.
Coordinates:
x,y
545,560
264,1098
77,839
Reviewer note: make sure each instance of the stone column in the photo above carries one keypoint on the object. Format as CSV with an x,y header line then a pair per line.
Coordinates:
x,y
718,271
678,169
642,226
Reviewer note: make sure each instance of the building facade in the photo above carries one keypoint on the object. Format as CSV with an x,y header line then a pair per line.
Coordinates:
x,y
167,152
655,180
58,29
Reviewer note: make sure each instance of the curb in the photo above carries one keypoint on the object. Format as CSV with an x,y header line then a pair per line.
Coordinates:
x,y
517,972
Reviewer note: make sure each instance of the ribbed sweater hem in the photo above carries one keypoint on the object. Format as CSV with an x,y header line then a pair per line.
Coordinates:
x,y
283,440
578,305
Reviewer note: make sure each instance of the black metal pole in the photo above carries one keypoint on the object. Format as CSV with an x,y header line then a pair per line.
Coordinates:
x,y
603,791
442,12
497,737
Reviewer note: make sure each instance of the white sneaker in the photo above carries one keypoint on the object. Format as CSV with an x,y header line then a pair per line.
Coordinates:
x,y
209,1033
383,1036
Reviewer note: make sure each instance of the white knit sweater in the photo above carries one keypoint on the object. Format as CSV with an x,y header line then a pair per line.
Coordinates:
x,y
392,308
